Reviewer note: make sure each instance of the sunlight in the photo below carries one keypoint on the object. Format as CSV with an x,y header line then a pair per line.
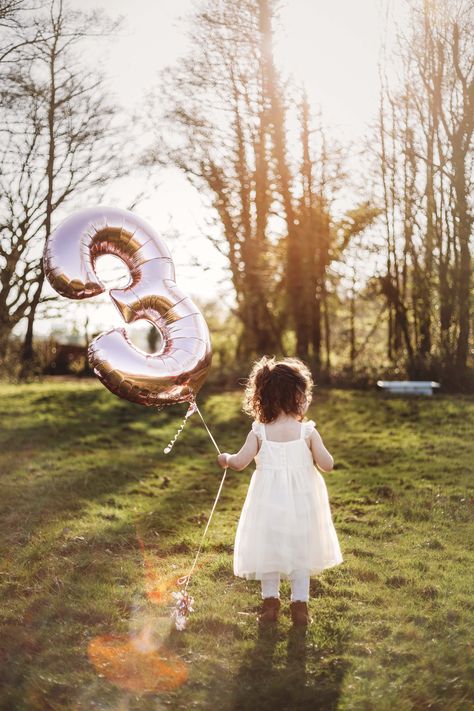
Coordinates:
x,y
332,50
112,271
114,274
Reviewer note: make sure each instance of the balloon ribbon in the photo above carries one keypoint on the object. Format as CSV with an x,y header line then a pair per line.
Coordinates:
x,y
184,600
190,411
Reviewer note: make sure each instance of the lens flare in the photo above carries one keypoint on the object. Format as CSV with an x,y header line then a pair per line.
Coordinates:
x,y
135,664
138,662
158,586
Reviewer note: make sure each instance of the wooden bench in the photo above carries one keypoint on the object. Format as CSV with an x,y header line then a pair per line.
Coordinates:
x,y
408,387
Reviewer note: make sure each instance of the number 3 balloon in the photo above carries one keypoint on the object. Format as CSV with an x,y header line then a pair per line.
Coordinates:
x,y
178,370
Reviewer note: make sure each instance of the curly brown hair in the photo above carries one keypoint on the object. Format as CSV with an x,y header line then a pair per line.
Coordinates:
x,y
277,386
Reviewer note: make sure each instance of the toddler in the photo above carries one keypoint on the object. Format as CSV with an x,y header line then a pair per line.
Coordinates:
x,y
285,528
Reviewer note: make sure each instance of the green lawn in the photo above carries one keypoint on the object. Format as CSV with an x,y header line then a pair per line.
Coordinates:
x,y
96,520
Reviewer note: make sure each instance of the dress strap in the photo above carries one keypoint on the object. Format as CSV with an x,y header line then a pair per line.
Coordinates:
x,y
307,428
259,429
302,431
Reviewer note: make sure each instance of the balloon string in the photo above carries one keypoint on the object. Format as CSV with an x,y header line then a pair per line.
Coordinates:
x,y
208,430
187,577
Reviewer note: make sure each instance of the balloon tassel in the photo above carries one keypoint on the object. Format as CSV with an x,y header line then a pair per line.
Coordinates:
x,y
191,410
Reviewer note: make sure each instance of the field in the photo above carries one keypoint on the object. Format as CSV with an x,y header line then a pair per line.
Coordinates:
x,y
97,523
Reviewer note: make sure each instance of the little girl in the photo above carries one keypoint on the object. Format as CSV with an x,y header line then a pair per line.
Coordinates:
x,y
285,528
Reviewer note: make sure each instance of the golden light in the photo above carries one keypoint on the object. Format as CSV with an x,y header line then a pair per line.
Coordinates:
x,y
136,665
158,586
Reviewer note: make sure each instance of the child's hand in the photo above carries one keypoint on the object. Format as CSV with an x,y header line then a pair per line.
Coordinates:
x,y
222,460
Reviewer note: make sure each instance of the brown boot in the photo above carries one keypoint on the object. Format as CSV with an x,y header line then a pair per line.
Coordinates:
x,y
269,610
299,613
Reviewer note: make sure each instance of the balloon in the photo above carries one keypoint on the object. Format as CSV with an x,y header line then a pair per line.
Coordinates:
x,y
178,370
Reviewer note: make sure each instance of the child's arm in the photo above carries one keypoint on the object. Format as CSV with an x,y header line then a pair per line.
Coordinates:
x,y
243,457
321,456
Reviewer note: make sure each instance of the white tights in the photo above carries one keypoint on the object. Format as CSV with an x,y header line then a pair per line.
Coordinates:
x,y
299,585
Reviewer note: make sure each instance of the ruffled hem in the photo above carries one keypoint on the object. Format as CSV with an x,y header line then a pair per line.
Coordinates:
x,y
287,573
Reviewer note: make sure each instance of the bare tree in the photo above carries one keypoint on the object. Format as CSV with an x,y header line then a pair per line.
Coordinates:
x,y
227,102
425,161
13,15
323,236
58,139
217,131
9,13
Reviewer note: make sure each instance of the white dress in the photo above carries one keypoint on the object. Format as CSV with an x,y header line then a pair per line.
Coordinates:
x,y
286,523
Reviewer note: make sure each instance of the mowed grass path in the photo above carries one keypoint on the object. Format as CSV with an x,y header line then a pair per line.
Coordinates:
x,y
95,520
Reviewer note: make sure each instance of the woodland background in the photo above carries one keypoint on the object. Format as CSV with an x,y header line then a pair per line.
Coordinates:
x,y
97,524
381,288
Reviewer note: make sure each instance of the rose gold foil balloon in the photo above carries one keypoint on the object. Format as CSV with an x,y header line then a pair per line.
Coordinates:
x,y
178,370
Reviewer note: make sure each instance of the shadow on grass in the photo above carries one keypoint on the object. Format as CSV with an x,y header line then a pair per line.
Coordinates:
x,y
256,675
55,618
48,574
300,678
62,462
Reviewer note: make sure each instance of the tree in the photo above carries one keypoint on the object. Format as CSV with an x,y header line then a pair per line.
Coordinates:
x,y
59,138
216,129
425,158
324,236
227,103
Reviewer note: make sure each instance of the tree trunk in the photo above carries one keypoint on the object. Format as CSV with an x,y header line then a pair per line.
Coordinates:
x,y
464,275
27,351
327,334
352,313
294,275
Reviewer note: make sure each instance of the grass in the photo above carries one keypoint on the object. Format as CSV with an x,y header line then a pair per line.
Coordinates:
x,y
97,523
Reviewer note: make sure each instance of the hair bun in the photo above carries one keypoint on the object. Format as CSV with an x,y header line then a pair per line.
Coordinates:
x,y
266,369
